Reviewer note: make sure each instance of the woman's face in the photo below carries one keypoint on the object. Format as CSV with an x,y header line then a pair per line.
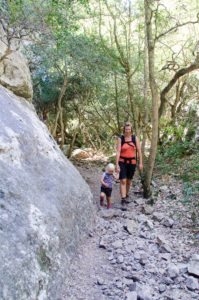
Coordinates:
x,y
127,130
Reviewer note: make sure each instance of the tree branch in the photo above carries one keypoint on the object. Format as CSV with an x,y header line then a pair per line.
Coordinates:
x,y
180,73
175,27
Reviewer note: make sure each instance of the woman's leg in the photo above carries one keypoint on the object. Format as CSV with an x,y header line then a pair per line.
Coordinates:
x,y
128,185
130,174
123,187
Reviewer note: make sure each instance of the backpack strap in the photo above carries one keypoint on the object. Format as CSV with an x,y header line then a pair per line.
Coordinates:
x,y
133,139
122,140
134,142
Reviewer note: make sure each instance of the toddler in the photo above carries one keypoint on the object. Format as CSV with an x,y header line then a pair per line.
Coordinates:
x,y
106,184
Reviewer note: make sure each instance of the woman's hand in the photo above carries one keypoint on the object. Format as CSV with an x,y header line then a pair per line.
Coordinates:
x,y
116,176
118,168
140,167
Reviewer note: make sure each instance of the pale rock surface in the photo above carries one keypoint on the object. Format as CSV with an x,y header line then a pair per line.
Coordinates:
x,y
80,154
193,267
131,296
45,206
14,71
192,283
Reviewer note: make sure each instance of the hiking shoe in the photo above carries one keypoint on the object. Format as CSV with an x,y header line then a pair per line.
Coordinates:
x,y
123,201
109,206
127,201
101,202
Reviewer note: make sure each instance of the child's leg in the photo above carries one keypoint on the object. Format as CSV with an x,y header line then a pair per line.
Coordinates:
x,y
102,198
108,202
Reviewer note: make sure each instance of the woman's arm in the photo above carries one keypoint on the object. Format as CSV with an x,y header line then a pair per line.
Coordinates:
x,y
116,176
139,153
118,150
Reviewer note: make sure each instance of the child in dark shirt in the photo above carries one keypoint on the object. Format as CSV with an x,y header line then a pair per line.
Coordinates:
x,y
106,184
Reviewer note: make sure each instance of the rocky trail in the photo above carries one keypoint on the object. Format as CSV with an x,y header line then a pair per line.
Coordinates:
x,y
138,252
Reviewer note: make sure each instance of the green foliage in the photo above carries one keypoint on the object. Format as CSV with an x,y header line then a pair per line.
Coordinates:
x,y
179,150
176,153
188,190
173,160
63,37
191,192
43,260
174,131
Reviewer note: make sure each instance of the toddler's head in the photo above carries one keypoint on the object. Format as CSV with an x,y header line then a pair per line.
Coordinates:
x,y
110,168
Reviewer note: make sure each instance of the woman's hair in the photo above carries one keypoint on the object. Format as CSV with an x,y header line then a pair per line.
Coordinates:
x,y
110,167
127,124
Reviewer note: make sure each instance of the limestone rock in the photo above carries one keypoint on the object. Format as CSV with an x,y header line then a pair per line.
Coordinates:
x,y
14,72
164,244
172,271
147,209
117,244
192,284
144,292
45,205
193,267
131,296
131,226
158,216
80,154
167,222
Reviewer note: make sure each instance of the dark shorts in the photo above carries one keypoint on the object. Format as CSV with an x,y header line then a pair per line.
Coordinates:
x,y
126,170
106,191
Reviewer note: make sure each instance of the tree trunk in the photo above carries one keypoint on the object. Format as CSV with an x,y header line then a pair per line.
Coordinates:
x,y
133,110
117,104
145,112
97,137
59,110
62,129
84,137
155,99
90,139
72,142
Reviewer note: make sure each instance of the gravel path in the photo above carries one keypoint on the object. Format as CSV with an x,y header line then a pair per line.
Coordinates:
x,y
144,252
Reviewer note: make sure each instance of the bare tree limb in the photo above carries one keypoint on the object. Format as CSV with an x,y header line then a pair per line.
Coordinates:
x,y
180,73
175,28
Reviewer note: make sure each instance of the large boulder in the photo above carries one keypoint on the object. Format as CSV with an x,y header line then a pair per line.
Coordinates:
x,y
45,205
14,70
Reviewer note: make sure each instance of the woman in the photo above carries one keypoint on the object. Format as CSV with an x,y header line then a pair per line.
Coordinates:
x,y
126,148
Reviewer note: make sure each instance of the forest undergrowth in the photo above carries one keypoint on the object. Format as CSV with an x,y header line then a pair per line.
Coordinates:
x,y
177,163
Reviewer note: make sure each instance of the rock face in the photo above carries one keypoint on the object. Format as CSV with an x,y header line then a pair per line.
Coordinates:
x,y
45,205
14,71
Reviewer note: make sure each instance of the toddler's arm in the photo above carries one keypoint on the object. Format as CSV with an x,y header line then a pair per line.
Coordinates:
x,y
102,181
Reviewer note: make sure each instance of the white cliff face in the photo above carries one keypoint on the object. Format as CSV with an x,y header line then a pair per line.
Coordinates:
x,y
45,205
14,71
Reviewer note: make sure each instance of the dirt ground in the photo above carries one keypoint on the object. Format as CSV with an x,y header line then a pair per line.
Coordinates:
x,y
111,264
91,270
